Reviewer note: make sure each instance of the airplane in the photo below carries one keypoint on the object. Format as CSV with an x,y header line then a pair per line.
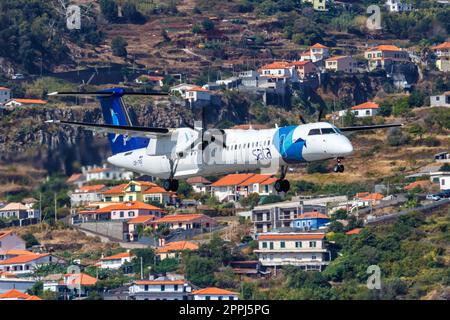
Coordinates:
x,y
180,153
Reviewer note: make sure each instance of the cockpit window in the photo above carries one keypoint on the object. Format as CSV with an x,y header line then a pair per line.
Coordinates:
x,y
328,130
314,132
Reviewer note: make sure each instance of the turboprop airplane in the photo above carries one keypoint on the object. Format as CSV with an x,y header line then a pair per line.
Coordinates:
x,y
179,153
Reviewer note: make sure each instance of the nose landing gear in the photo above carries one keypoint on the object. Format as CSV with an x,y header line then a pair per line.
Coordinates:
x,y
170,185
282,185
339,167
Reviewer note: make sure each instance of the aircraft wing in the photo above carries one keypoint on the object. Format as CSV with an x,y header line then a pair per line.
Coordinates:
x,y
363,128
131,131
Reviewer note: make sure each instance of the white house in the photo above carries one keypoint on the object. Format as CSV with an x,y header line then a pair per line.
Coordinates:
x,y
86,195
197,95
304,250
115,261
70,285
441,177
156,81
163,288
182,88
186,221
5,95
199,184
315,53
213,293
366,109
9,240
442,52
398,5
9,281
279,70
130,210
25,263
17,210
442,100
93,173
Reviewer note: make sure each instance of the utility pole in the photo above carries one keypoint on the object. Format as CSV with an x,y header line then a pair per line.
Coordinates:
x,y
56,213
40,209
142,270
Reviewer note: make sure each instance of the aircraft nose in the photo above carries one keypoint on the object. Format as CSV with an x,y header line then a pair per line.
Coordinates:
x,y
346,147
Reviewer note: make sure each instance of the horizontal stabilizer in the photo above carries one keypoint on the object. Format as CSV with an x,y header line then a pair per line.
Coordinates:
x,y
377,126
131,131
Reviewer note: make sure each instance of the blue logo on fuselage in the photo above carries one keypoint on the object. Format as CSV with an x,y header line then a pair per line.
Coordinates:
x,y
290,150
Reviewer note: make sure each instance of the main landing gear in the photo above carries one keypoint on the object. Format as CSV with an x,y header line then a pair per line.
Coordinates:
x,y
282,185
170,185
338,167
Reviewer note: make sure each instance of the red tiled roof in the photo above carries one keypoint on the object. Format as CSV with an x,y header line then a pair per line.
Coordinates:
x,y
30,101
5,233
4,88
182,218
418,184
373,197
384,47
277,65
444,45
74,177
178,246
141,219
313,215
153,190
159,282
16,294
81,279
198,89
354,231
23,258
336,58
131,205
319,46
117,256
366,105
300,63
257,178
116,189
232,179
214,291
93,188
194,180
293,236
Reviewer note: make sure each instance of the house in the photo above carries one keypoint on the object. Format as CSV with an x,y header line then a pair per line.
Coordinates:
x,y
443,157
181,89
162,288
115,261
318,5
70,285
198,96
5,95
442,100
21,212
86,194
304,250
213,293
154,81
366,109
442,52
15,294
174,249
9,281
130,210
266,218
76,179
310,221
199,184
384,56
135,224
234,186
249,78
305,68
186,221
354,231
105,172
25,263
398,6
420,184
365,199
229,83
441,177
13,103
138,191
316,53
9,240
341,63
279,70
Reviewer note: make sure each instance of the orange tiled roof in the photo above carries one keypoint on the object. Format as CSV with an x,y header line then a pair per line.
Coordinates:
x,y
232,179
417,184
214,291
4,274
130,205
178,246
366,105
141,219
198,89
153,190
373,197
116,189
14,252
31,101
159,282
23,258
194,180
257,178
444,45
294,236
384,47
4,88
16,294
354,231
81,279
5,233
301,63
93,188
313,215
269,181
277,65
181,218
74,177
336,58
319,46
117,256
153,78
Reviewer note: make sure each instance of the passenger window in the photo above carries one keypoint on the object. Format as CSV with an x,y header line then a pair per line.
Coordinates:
x,y
314,132
327,130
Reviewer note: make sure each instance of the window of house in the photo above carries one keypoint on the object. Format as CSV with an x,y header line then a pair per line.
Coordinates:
x,y
298,244
367,112
121,214
130,198
120,198
264,244
146,287
282,244
163,287
312,244
175,287
107,199
271,245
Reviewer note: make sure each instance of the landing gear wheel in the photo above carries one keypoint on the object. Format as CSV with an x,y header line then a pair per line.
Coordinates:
x,y
282,185
170,185
285,185
338,168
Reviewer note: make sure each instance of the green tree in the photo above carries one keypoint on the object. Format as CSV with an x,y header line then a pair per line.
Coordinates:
x,y
200,270
119,46
109,10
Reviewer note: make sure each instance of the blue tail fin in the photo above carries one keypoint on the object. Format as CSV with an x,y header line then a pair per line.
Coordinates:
x,y
115,113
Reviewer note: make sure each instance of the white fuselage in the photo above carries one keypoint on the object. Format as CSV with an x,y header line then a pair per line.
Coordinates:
x,y
245,150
